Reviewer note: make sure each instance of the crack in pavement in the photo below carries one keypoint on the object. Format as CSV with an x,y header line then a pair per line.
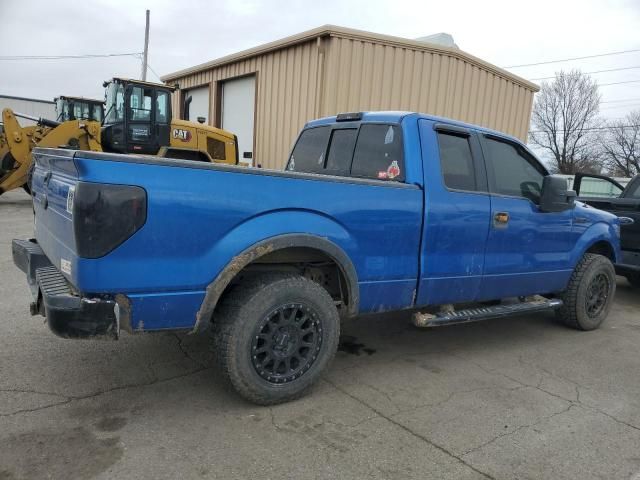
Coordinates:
x,y
184,351
73,398
517,429
577,387
410,431
572,402
37,392
457,392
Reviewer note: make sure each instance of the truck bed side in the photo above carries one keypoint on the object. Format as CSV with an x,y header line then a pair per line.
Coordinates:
x,y
201,216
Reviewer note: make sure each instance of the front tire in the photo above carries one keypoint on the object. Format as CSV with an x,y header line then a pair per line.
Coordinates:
x,y
274,336
589,295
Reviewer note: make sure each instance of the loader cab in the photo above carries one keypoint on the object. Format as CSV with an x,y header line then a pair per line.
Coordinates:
x,y
137,116
78,108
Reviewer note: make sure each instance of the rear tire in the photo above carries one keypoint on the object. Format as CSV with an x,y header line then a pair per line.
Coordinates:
x,y
275,335
589,295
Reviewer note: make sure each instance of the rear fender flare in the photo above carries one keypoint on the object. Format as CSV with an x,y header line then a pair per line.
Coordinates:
x,y
216,288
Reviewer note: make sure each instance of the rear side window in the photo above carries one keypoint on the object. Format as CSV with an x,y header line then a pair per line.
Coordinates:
x,y
456,162
378,153
308,154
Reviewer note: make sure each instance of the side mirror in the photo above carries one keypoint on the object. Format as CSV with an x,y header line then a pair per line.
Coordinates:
x,y
201,119
555,196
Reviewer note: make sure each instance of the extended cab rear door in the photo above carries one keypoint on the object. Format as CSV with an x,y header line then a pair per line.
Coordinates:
x,y
456,216
527,249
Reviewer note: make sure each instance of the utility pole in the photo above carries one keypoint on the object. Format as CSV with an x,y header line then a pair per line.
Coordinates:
x,y
146,49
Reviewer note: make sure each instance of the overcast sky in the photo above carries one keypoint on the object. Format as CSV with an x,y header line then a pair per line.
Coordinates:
x,y
185,33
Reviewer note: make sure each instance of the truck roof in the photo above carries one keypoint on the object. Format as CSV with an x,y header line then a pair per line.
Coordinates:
x,y
398,116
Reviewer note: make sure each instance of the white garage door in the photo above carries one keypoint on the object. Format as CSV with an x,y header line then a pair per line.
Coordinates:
x,y
199,106
238,103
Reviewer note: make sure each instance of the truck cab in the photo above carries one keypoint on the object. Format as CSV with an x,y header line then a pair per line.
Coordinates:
x,y
137,117
487,231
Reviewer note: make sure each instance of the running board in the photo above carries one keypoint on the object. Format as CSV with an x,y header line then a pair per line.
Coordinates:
x,y
453,317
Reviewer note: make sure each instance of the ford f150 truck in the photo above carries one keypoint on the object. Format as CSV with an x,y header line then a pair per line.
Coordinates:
x,y
374,212
625,203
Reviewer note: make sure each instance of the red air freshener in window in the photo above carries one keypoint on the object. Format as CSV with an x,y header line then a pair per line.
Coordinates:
x,y
393,171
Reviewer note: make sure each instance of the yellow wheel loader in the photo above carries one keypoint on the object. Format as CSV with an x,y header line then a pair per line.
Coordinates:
x,y
137,119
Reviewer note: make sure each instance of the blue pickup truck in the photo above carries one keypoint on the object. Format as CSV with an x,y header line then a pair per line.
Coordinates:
x,y
374,212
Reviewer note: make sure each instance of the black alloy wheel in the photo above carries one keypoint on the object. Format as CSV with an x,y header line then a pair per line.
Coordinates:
x,y
286,343
597,295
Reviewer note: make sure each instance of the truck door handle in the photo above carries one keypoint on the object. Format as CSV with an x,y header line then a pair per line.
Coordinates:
x,y
501,218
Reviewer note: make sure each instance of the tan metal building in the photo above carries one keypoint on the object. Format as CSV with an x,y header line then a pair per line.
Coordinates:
x,y
266,94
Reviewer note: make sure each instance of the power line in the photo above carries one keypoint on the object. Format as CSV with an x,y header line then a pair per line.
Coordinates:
x,y
623,105
153,71
150,68
590,73
62,57
574,58
621,100
589,129
617,83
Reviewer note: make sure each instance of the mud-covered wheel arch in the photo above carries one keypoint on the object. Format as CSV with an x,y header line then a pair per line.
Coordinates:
x,y
313,257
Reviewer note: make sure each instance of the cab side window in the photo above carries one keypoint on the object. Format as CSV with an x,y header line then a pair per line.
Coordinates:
x,y
162,107
379,153
456,162
512,171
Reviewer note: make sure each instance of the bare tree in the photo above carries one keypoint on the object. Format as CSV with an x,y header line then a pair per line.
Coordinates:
x,y
620,144
564,119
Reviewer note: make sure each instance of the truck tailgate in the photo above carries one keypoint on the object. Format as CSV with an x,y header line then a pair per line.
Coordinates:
x,y
53,185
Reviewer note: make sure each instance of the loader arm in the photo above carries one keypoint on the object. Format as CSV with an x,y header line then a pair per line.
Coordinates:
x,y
18,142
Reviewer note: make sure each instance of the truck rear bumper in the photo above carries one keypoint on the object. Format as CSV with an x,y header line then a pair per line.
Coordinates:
x,y
68,313
630,263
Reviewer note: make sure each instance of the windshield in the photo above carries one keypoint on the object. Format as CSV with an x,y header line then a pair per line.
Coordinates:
x,y
114,103
80,110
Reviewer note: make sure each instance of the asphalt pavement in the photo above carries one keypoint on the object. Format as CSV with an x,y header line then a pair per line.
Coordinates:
x,y
520,397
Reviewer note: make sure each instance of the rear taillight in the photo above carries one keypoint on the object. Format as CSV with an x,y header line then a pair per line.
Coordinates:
x,y
104,216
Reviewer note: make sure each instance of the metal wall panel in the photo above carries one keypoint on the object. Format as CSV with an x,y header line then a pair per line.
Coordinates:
x,y
365,75
285,98
337,73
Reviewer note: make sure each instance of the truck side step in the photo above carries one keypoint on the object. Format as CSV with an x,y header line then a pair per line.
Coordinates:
x,y
452,317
